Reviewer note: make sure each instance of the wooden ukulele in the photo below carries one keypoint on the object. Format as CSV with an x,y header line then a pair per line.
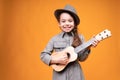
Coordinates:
x,y
72,52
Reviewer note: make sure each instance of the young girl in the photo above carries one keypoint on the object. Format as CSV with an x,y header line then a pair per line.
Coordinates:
x,y
68,21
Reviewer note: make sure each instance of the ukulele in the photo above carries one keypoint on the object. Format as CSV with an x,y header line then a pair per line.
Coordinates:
x,y
72,52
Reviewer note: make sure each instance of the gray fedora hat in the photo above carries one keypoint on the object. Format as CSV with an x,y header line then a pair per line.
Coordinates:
x,y
69,9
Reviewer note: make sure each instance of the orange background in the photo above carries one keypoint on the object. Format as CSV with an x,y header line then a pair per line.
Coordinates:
x,y
27,25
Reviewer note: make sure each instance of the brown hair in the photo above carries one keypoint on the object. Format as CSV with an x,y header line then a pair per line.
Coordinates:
x,y
76,40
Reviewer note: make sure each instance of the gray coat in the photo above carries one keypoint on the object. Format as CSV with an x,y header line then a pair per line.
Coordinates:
x,y
73,71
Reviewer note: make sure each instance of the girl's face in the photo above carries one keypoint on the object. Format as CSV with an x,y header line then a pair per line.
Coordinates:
x,y
66,22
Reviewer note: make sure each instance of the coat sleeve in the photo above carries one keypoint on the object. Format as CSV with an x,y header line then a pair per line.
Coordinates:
x,y
82,55
45,54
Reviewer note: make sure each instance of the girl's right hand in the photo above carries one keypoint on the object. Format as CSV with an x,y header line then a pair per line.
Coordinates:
x,y
59,59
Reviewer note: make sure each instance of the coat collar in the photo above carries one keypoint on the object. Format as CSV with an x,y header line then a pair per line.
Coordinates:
x,y
63,34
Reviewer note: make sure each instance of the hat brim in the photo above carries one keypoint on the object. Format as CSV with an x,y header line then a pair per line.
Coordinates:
x,y
59,11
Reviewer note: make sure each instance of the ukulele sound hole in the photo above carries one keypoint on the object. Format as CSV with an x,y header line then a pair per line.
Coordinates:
x,y
68,55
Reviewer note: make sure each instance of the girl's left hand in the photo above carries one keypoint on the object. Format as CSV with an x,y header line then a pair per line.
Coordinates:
x,y
95,42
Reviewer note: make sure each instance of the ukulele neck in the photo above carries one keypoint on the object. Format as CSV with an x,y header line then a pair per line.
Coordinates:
x,y
83,46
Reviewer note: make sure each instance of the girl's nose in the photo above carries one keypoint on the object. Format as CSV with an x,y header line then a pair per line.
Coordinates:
x,y
67,23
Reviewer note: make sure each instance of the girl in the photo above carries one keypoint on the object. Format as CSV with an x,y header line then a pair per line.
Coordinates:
x,y
68,21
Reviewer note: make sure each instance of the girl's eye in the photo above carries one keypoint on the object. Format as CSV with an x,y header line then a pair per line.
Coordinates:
x,y
62,21
70,20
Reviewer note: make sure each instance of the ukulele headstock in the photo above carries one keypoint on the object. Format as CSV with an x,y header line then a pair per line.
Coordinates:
x,y
103,35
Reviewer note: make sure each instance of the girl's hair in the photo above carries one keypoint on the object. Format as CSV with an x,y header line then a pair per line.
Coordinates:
x,y
76,40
